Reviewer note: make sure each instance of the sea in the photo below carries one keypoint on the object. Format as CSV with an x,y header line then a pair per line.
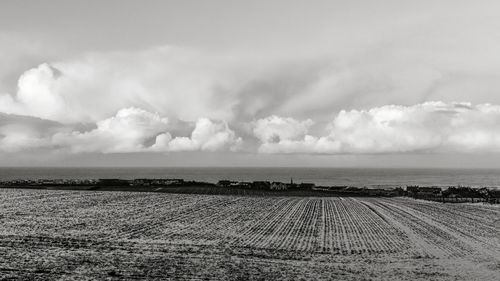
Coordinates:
x,y
360,177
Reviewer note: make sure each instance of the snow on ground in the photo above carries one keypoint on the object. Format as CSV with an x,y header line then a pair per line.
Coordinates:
x,y
120,235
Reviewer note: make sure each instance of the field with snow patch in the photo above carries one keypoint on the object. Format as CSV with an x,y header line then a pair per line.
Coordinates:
x,y
48,235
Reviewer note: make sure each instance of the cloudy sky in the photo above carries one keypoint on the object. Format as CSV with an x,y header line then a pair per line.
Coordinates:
x,y
250,83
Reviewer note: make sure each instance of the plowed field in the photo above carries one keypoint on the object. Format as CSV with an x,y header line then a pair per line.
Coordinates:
x,y
85,235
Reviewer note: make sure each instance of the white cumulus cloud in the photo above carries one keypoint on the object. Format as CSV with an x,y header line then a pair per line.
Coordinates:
x,y
206,136
426,127
180,83
38,94
129,130
274,129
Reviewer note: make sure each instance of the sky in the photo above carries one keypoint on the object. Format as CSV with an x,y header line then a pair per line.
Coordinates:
x,y
250,83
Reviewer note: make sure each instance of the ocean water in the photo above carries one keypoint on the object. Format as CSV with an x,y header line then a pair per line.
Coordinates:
x,y
320,176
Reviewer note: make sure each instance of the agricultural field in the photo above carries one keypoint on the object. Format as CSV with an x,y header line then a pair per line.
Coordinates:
x,y
88,235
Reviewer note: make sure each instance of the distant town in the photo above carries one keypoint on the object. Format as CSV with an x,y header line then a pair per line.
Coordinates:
x,y
451,194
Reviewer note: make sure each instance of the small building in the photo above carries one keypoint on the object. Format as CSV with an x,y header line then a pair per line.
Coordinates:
x,y
412,188
279,186
244,184
374,191
337,187
142,182
226,183
308,186
261,185
430,190
157,182
173,181
113,182
47,182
